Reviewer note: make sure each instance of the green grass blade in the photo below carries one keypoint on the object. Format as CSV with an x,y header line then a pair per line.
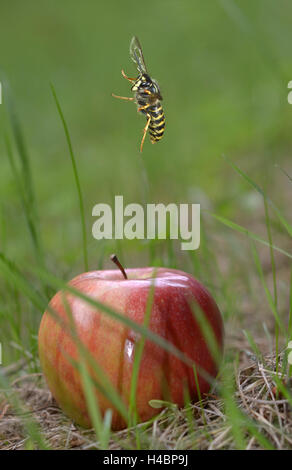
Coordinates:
x,y
207,332
290,320
107,421
24,182
87,382
26,203
271,302
76,176
268,224
207,435
233,414
238,420
90,397
284,172
282,219
15,277
3,228
137,359
22,151
31,427
253,345
290,309
248,233
283,389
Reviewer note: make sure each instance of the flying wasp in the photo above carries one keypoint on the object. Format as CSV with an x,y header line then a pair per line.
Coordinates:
x,y
147,95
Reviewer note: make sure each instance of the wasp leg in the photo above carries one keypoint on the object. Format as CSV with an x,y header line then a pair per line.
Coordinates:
x,y
143,107
128,78
123,97
145,131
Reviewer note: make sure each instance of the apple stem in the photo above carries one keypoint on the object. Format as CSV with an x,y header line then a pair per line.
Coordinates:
x,y
115,259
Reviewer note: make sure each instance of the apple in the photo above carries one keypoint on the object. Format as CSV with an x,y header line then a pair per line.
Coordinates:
x,y
112,344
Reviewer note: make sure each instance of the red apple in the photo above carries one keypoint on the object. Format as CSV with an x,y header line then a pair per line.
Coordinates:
x,y
162,376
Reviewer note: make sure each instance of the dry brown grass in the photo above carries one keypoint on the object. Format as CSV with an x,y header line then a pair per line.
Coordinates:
x,y
255,395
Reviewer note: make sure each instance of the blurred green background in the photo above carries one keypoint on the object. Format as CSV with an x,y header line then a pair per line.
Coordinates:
x,y
223,67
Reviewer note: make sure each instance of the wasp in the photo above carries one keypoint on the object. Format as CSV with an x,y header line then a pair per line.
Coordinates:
x,y
147,95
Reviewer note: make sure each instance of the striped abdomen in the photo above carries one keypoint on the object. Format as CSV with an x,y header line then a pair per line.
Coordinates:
x,y
157,122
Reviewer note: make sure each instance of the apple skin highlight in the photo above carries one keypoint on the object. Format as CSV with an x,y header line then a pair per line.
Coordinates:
x,y
112,344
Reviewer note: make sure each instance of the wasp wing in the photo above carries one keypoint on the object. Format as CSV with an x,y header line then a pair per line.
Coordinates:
x,y
137,55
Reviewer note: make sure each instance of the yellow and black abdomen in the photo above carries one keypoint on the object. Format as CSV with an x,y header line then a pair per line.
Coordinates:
x,y
157,123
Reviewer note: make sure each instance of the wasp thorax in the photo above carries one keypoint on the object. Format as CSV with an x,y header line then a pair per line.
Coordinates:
x,y
144,82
